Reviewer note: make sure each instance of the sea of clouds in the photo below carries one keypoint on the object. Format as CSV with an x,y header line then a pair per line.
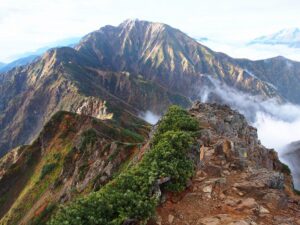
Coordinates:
x,y
253,51
278,123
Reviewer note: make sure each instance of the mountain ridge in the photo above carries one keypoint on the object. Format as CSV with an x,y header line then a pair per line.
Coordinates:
x,y
137,65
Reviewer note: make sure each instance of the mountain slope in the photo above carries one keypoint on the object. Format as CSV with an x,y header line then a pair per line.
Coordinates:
x,y
73,155
166,55
65,80
236,180
137,66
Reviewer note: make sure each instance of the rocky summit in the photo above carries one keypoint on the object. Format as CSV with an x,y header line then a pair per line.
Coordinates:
x,y
237,180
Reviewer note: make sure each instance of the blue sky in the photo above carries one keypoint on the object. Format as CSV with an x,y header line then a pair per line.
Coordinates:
x,y
26,25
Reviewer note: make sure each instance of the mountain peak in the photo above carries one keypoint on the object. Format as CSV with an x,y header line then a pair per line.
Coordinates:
x,y
135,22
141,25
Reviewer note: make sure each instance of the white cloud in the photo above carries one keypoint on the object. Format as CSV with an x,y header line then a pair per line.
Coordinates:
x,y
150,117
254,52
278,124
26,25
277,133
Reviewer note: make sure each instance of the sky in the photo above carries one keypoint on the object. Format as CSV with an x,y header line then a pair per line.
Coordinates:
x,y
26,25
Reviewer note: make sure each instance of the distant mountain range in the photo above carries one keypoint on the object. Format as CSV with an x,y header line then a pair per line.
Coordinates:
x,y
28,57
288,37
136,66
18,62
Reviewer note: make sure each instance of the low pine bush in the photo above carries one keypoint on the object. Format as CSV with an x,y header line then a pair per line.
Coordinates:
x,y
131,194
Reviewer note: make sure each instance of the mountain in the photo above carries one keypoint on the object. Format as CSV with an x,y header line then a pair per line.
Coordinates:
x,y
168,56
1,64
65,80
288,37
207,167
137,66
73,155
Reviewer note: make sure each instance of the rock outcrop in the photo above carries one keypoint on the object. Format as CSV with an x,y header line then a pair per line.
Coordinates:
x,y
238,181
95,108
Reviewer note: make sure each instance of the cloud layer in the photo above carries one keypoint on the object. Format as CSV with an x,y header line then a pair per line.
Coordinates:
x,y
255,51
278,124
26,25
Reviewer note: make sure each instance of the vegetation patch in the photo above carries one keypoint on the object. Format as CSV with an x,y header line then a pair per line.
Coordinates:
x,y
88,137
48,168
135,136
132,195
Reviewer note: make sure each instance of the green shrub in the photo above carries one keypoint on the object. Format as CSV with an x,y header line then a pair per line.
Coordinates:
x,y
130,195
48,168
177,118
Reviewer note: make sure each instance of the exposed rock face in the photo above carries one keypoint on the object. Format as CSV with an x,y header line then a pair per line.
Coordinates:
x,y
95,108
238,181
63,80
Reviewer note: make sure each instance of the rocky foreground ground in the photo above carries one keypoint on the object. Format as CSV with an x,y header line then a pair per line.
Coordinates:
x,y
238,181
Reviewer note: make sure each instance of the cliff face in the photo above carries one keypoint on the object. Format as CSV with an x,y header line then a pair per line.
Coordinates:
x,y
237,180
